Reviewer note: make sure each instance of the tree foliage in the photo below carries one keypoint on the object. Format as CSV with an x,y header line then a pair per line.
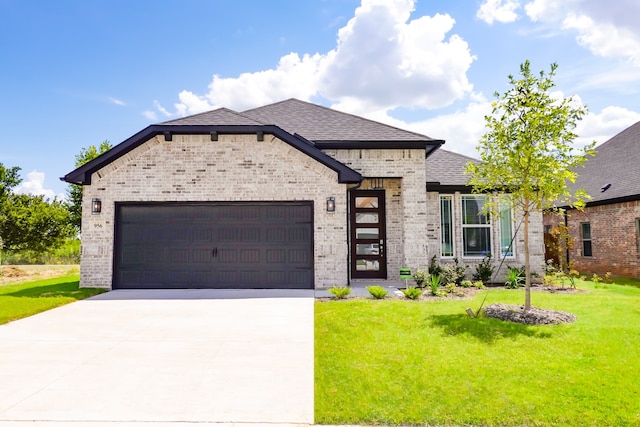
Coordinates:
x,y
74,191
27,221
528,153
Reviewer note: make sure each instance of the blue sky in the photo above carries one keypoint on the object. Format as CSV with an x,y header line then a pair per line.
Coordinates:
x,y
77,72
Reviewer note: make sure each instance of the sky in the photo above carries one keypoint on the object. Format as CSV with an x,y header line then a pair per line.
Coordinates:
x,y
75,73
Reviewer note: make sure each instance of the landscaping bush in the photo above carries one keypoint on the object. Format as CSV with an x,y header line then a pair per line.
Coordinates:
x,y
453,273
434,282
378,292
412,292
340,292
420,276
515,277
484,270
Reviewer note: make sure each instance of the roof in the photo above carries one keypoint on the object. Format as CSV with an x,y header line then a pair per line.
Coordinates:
x,y
221,116
615,163
445,171
305,126
317,123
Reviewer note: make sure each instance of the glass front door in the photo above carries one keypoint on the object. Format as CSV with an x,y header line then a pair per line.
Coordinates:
x,y
368,239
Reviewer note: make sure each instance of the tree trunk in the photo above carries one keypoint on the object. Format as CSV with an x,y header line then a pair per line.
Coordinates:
x,y
527,264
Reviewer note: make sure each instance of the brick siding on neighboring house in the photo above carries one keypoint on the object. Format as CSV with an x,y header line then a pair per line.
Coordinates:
x,y
614,238
234,168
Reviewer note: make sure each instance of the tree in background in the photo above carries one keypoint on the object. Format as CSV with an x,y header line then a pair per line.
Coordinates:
x,y
528,157
74,191
29,222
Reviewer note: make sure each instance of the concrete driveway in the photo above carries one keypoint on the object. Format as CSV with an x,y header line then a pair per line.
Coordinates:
x,y
162,357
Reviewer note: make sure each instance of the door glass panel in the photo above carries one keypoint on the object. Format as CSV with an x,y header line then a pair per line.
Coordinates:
x,y
367,218
367,233
367,265
366,202
367,249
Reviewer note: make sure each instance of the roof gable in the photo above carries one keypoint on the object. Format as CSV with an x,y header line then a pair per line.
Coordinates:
x,y
616,163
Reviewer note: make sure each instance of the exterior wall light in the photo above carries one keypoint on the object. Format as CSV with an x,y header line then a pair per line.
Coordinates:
x,y
331,204
96,206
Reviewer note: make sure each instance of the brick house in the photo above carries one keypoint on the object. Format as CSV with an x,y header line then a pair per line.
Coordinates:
x,y
606,234
288,195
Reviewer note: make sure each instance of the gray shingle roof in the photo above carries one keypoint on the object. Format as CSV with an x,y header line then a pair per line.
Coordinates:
x,y
447,168
318,123
617,162
220,117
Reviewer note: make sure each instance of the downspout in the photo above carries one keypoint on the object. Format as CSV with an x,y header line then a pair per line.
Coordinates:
x,y
348,197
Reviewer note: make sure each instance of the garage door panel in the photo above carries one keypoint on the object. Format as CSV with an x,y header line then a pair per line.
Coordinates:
x,y
214,245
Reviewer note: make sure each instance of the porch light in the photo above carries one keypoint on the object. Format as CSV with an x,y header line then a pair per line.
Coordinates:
x,y
331,204
96,206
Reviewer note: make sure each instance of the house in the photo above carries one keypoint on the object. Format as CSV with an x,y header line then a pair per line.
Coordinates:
x,y
606,234
288,195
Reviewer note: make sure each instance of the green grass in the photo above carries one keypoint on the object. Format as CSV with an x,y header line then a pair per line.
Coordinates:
x,y
428,363
27,299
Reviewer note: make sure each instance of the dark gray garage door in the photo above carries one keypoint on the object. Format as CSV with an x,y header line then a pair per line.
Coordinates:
x,y
214,245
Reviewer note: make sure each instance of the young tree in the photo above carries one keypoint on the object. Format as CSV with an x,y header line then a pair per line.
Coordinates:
x,y
74,191
527,154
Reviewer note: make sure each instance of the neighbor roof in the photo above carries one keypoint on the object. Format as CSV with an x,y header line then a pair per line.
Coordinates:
x,y
616,163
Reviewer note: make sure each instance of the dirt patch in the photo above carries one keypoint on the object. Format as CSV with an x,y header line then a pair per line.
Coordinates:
x,y
533,316
14,274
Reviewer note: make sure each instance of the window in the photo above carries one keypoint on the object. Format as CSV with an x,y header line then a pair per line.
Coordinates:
x,y
476,228
446,226
506,230
638,233
585,229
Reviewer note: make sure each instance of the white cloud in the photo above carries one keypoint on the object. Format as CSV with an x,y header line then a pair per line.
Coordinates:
x,y
34,184
498,10
602,126
117,101
607,29
382,59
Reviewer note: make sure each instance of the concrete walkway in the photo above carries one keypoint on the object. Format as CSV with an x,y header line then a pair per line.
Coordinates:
x,y
165,358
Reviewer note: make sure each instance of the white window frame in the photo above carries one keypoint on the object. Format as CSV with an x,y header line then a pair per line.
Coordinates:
x,y
488,225
451,199
509,208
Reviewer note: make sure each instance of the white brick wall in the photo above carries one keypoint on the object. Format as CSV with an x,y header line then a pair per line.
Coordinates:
x,y
234,168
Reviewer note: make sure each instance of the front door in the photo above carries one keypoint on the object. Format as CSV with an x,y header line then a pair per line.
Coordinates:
x,y
368,237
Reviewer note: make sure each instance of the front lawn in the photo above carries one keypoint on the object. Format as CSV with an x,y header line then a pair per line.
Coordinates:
x,y
407,362
26,299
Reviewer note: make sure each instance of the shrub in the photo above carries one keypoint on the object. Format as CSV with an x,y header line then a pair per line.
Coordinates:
x,y
434,282
434,268
412,292
478,284
466,283
450,288
441,293
378,292
608,278
484,270
340,292
515,277
420,276
453,273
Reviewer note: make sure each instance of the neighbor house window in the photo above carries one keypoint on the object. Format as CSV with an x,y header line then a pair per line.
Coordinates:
x,y
446,226
476,228
506,230
638,233
585,229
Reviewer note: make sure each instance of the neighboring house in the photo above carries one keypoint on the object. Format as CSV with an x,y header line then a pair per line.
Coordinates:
x,y
606,235
289,195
